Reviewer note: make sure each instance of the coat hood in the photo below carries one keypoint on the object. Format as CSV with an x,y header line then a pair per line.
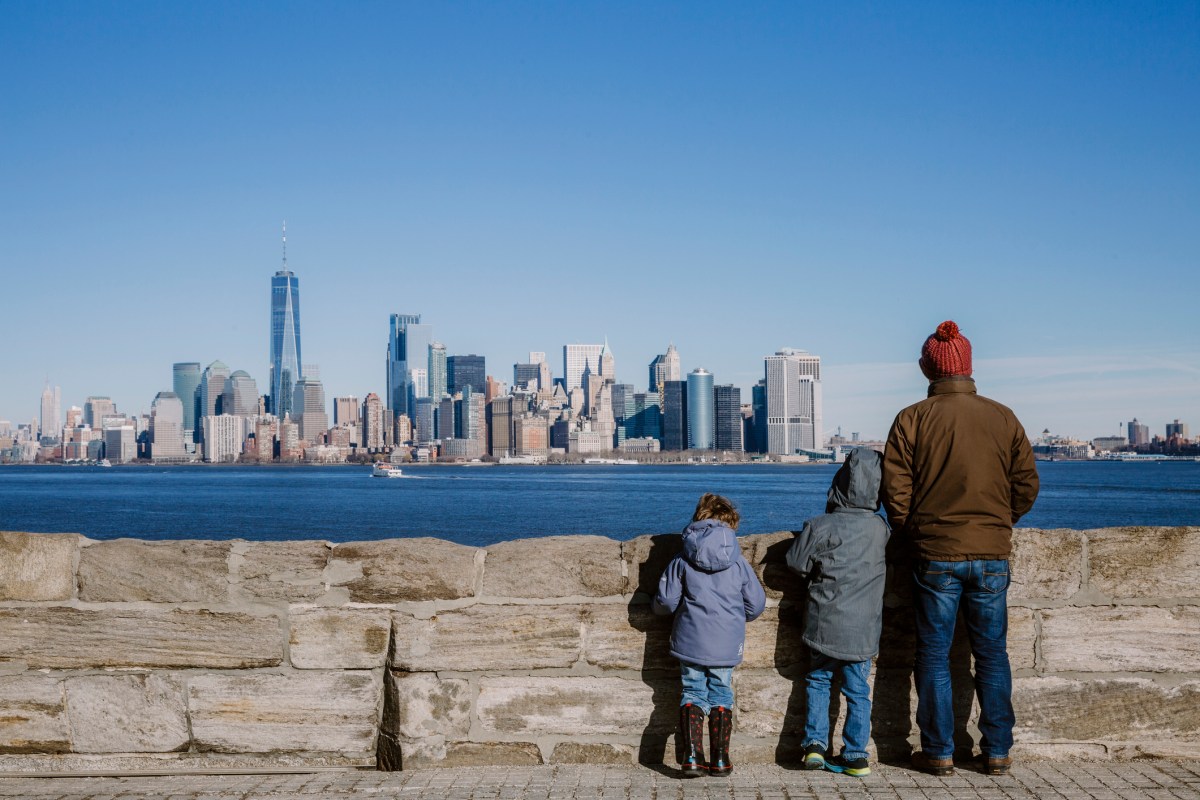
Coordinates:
x,y
856,484
710,545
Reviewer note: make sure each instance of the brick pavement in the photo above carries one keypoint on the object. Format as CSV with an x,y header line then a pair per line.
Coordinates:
x,y
1146,780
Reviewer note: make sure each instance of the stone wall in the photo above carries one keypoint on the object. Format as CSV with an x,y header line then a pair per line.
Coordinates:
x,y
419,652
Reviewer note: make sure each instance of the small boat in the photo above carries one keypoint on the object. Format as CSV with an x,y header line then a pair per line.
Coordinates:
x,y
104,462
386,471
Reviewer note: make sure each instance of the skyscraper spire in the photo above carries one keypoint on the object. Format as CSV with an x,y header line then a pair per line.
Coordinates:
x,y
285,245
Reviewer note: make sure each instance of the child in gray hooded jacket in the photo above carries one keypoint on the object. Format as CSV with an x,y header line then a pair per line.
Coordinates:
x,y
712,592
841,554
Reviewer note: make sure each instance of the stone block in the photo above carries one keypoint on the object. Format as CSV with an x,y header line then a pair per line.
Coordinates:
x,y
128,570
397,570
1145,562
774,640
645,559
487,638
767,554
33,715
627,637
127,714
68,638
768,704
1045,564
418,705
1107,709
434,752
37,566
293,571
592,753
332,712
555,566
576,706
1121,639
339,638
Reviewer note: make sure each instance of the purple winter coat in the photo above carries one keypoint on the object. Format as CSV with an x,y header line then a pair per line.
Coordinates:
x,y
713,592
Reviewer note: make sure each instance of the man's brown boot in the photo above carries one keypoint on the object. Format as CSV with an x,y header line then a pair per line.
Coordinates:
x,y
995,766
934,766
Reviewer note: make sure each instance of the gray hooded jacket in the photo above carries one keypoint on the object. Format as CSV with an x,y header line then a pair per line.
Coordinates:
x,y
713,592
841,554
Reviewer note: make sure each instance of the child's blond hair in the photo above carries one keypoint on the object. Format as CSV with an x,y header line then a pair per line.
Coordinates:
x,y
713,506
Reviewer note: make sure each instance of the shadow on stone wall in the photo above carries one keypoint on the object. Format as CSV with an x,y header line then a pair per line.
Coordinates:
x,y
658,667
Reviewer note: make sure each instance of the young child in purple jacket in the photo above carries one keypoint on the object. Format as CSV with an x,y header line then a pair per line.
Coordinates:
x,y
712,592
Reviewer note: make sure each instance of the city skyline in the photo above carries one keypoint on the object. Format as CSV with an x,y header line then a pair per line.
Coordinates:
x,y
733,179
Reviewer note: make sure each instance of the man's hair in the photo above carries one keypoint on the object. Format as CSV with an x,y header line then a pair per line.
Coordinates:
x,y
713,506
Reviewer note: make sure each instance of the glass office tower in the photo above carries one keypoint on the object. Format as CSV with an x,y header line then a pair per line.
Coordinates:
x,y
285,341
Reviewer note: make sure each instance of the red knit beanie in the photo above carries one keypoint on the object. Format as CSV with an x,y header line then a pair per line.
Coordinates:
x,y
946,353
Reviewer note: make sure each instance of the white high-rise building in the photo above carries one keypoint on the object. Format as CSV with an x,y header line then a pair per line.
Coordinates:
x,y
577,359
223,437
794,420
664,368
166,428
51,421
308,409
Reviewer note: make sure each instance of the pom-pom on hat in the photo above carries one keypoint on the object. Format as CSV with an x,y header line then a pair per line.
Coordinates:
x,y
946,353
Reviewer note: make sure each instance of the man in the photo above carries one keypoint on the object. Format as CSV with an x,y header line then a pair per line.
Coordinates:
x,y
958,472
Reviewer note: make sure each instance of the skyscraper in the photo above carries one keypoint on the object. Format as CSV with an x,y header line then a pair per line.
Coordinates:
x,y
758,404
437,371
166,428
95,409
185,381
240,397
346,411
1138,433
51,420
674,415
373,437
793,402
664,368
308,409
578,358
212,386
700,409
285,336
408,348
727,418
464,371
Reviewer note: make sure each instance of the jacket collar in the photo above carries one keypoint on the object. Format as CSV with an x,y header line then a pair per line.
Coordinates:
x,y
956,384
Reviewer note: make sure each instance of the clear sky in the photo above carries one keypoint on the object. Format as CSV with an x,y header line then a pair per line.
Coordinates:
x,y
733,177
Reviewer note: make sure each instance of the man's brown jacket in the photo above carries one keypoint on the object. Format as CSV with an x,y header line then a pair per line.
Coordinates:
x,y
958,472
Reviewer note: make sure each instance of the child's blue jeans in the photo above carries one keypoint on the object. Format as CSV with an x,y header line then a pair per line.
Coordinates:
x,y
857,730
706,687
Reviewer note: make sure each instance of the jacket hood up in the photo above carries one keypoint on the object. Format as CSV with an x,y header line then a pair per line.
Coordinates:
x,y
710,545
856,484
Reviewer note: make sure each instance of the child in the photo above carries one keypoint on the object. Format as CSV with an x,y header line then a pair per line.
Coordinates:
x,y
841,554
713,592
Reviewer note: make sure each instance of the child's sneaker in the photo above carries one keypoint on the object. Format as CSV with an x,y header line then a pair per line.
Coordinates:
x,y
858,767
814,757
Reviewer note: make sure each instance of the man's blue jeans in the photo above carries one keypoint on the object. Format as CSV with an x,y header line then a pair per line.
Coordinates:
x,y
706,687
857,730
981,588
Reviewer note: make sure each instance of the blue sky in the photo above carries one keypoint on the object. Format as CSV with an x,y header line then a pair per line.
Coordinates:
x,y
732,177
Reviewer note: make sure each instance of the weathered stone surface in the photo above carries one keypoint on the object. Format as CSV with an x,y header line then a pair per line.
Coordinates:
x,y
435,752
1115,709
645,559
409,569
1130,638
768,704
627,637
283,570
556,566
67,638
33,715
161,572
774,642
127,714
487,637
767,554
264,713
596,753
339,638
574,706
1022,638
37,566
420,704
1145,562
1045,564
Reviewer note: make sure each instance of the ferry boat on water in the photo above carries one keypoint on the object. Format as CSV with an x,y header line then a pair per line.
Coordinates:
x,y
382,470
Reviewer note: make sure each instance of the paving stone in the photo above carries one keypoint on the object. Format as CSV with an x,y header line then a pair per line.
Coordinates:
x,y
395,570
127,713
293,571
128,570
419,705
572,706
484,637
1045,564
67,638
594,753
33,715
554,566
1121,639
339,638
1124,563
37,566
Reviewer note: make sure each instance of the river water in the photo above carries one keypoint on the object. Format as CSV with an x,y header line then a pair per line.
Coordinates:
x,y
482,505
